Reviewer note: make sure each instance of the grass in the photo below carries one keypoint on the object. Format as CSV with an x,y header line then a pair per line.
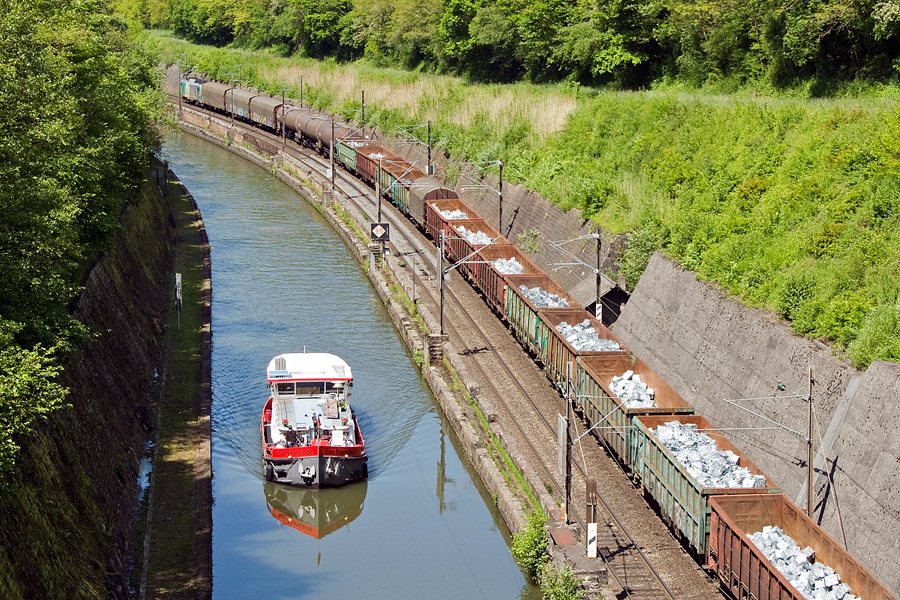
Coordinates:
x,y
789,203
511,474
173,569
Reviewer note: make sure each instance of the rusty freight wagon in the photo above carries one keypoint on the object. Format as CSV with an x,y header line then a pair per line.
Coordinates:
x,y
744,570
485,273
367,160
437,209
683,501
422,191
558,354
611,415
465,239
523,314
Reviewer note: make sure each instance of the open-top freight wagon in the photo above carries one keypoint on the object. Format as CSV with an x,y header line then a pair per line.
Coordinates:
x,y
467,237
485,271
523,310
743,568
558,353
611,415
683,501
439,210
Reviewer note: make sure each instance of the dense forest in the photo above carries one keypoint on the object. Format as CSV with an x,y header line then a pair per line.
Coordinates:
x,y
757,143
79,103
628,44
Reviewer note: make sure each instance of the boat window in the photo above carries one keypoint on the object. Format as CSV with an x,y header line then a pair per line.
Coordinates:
x,y
309,388
286,388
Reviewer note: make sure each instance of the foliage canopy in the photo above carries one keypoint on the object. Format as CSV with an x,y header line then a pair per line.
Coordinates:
x,y
619,42
76,123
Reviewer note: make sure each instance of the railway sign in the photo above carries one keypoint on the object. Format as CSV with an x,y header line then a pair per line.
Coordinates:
x,y
381,232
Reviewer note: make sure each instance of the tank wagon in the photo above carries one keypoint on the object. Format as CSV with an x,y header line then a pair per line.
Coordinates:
x,y
711,521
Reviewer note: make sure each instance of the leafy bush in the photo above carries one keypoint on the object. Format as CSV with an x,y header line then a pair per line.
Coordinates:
x,y
529,545
73,150
559,585
879,336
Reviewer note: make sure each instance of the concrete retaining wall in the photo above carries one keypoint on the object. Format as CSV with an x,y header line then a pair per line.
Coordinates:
x,y
710,348
525,211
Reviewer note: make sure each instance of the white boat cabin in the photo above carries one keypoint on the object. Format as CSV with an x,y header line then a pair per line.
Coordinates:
x,y
310,394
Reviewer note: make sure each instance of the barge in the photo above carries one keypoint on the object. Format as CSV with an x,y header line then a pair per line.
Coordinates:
x,y
310,435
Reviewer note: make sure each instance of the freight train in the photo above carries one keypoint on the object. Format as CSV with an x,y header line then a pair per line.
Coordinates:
x,y
712,521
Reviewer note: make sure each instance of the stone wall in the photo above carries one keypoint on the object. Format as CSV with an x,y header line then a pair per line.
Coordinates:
x,y
65,528
711,348
525,211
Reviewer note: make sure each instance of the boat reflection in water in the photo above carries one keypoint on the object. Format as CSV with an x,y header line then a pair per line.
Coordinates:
x,y
315,512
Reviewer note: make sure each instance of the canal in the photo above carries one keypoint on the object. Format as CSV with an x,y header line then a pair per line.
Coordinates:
x,y
283,281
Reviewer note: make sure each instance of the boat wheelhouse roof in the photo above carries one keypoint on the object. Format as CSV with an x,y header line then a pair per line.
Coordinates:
x,y
308,366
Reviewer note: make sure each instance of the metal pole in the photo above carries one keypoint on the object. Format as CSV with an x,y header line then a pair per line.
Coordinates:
x,y
441,253
179,87
378,189
568,458
500,228
332,152
301,90
363,118
232,101
598,311
283,115
809,460
430,168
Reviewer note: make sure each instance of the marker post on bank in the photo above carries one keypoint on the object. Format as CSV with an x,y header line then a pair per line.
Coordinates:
x,y
178,299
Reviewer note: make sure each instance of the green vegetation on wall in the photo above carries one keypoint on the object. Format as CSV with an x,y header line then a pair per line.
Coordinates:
x,y
791,205
75,129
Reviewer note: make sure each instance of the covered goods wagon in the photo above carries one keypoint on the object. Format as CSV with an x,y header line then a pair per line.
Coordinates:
x,y
263,110
214,94
237,100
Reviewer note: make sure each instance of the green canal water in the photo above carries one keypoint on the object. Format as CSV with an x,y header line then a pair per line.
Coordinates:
x,y
283,281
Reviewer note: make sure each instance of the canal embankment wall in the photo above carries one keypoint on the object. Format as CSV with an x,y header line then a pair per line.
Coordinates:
x,y
66,520
711,348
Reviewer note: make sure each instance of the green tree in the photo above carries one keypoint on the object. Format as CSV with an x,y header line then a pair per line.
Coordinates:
x,y
73,148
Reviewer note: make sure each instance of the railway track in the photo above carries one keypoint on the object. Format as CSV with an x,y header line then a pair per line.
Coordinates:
x,y
511,380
